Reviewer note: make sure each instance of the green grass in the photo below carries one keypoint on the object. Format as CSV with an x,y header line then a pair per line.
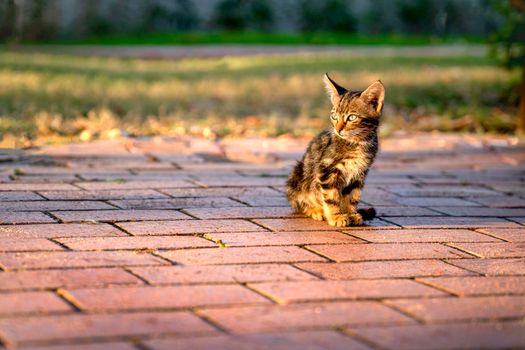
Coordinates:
x,y
258,38
60,97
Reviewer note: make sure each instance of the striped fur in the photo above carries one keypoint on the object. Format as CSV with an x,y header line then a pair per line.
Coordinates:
x,y
326,184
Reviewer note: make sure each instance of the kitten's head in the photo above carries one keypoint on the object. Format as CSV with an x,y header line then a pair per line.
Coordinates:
x,y
355,114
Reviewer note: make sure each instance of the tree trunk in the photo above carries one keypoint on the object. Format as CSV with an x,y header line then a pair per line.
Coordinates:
x,y
521,108
8,21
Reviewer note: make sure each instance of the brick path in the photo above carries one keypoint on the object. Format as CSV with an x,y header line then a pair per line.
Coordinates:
x,y
190,244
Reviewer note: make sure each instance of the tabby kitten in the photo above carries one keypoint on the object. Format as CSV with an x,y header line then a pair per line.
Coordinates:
x,y
327,182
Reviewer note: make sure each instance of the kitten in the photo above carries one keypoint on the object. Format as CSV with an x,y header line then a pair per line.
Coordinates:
x,y
327,182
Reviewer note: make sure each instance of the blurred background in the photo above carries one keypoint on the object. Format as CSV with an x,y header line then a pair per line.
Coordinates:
x,y
80,70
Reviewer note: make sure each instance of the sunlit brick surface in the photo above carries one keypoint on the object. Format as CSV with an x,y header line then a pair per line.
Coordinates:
x,y
147,249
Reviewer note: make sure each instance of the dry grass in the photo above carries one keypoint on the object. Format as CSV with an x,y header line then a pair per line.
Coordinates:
x,y
56,98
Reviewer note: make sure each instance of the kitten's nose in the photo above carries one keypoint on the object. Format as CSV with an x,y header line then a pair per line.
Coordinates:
x,y
339,127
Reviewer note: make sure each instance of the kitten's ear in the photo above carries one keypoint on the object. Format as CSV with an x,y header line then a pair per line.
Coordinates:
x,y
335,91
374,95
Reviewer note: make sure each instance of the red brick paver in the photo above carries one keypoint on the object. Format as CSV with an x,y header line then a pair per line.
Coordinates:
x,y
52,205
252,319
493,250
435,201
288,292
136,298
92,346
31,302
508,335
183,243
43,260
103,195
478,285
493,266
70,278
422,236
133,185
474,308
247,212
58,230
20,196
21,217
176,203
507,234
244,255
119,215
276,341
383,269
304,224
136,243
476,211
236,192
36,244
501,201
240,239
188,227
388,251
191,274
35,187
81,326
451,222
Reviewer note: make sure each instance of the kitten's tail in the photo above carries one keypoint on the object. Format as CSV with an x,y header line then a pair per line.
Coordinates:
x,y
368,213
294,184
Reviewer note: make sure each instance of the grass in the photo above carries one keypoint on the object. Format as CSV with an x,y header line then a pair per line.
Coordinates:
x,y
18,172
47,98
247,37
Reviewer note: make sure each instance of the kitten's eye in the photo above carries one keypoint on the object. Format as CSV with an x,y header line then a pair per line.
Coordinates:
x,y
351,118
333,117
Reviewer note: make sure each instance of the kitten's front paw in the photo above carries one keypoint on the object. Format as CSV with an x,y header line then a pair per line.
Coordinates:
x,y
339,220
315,213
355,219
